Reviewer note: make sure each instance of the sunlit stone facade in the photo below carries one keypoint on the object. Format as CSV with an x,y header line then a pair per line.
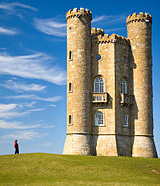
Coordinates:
x,y
109,88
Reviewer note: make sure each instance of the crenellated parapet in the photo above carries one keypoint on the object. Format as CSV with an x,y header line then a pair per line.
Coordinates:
x,y
79,13
113,39
139,17
97,32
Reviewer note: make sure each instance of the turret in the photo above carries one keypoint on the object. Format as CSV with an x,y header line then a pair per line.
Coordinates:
x,y
79,84
139,34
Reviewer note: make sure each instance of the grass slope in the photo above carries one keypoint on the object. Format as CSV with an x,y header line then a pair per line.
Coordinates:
x,y
50,169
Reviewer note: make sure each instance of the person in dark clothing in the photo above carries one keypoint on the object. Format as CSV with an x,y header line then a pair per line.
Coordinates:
x,y
16,147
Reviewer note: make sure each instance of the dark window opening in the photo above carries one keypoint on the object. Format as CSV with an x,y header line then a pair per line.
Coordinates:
x,y
70,55
70,87
70,119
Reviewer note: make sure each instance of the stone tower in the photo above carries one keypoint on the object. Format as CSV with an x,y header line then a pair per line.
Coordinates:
x,y
109,88
78,140
139,34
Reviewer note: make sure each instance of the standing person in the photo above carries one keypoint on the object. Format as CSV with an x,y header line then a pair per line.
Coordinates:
x,y
16,147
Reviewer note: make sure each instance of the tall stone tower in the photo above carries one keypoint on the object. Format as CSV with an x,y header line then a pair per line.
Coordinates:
x,y
78,140
109,88
139,34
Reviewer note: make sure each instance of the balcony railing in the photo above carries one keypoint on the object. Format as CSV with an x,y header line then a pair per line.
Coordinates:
x,y
126,99
100,97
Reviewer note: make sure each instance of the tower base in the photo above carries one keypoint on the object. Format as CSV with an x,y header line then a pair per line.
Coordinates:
x,y
78,144
104,145
143,146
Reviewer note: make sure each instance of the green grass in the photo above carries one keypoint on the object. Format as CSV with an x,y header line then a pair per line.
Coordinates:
x,y
50,169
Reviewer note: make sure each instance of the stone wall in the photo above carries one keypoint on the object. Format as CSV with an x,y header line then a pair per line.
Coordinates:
x,y
122,58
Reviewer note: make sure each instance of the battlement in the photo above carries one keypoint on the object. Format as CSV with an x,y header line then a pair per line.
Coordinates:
x,y
96,32
139,17
78,13
114,38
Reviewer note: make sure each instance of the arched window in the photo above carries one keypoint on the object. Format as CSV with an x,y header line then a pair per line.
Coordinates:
x,y
99,85
124,86
98,118
70,55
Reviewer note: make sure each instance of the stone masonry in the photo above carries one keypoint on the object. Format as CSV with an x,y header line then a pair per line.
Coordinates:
x,y
93,55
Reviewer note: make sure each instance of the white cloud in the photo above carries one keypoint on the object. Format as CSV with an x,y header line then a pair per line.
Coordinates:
x,y
100,18
51,27
109,20
10,84
16,125
25,135
31,105
35,97
7,115
52,105
33,66
47,144
36,110
20,126
7,31
9,110
12,6
7,107
114,29
48,126
15,110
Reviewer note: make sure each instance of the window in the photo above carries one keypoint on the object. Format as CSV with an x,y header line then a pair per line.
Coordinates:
x,y
125,59
70,87
98,57
125,120
70,55
124,87
98,85
98,118
70,119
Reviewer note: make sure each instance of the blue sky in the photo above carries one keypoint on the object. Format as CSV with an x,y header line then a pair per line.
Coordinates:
x,y
33,67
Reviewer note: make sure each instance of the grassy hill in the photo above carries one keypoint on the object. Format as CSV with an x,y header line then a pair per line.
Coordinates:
x,y
50,169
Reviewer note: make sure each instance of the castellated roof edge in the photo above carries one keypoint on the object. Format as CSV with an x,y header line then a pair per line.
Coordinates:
x,y
139,17
114,38
78,13
96,32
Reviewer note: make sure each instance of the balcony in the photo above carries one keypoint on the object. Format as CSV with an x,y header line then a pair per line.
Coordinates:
x,y
99,97
126,99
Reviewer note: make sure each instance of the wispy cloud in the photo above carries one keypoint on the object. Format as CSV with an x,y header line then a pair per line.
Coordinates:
x,y
7,107
47,144
100,18
10,110
35,66
16,125
20,126
12,6
110,23
7,115
20,87
109,19
24,135
114,29
35,97
36,110
50,27
31,105
7,31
